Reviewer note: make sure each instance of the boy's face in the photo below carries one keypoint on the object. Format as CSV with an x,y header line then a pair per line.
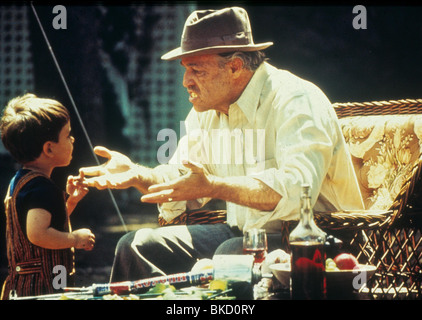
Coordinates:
x,y
64,147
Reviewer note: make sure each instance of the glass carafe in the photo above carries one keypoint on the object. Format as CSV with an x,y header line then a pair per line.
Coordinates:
x,y
307,253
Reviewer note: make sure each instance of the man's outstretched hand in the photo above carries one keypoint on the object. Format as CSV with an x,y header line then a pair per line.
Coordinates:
x,y
193,185
119,172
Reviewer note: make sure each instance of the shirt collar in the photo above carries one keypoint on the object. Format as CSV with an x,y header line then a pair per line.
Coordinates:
x,y
248,102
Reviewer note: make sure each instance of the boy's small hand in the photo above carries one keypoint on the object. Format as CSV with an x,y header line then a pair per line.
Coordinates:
x,y
84,239
76,188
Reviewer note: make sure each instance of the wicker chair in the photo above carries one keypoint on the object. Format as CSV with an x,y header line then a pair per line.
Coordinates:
x,y
388,234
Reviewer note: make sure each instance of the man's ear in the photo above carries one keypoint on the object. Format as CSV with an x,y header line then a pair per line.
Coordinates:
x,y
47,149
236,66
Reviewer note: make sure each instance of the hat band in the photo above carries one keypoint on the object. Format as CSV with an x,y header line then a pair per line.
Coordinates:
x,y
240,38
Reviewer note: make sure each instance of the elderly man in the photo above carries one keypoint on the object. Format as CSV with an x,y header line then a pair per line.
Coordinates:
x,y
281,131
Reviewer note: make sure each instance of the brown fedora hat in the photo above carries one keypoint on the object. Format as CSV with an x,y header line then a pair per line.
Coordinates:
x,y
216,31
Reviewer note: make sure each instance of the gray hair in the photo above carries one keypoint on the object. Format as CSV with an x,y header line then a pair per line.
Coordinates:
x,y
251,60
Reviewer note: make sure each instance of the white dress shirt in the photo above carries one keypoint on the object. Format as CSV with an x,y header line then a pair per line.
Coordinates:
x,y
283,131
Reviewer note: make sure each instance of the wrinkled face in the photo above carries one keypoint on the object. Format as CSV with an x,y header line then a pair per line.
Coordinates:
x,y
64,147
208,82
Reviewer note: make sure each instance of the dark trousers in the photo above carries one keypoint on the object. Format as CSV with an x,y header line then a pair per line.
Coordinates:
x,y
172,249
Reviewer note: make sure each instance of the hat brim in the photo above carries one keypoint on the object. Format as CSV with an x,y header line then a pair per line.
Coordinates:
x,y
179,53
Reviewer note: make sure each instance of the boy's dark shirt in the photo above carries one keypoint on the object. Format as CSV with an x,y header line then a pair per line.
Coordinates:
x,y
40,192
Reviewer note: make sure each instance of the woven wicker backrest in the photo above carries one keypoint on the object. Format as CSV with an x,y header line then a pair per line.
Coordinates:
x,y
407,106
385,140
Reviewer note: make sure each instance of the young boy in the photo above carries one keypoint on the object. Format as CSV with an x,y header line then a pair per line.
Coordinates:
x,y
37,133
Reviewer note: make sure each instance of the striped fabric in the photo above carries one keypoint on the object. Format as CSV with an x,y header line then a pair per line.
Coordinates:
x,y
196,217
30,266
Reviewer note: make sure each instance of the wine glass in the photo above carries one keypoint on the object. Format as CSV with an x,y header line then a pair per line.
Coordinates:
x,y
255,243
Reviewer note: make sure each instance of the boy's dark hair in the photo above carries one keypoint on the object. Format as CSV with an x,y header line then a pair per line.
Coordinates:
x,y
28,122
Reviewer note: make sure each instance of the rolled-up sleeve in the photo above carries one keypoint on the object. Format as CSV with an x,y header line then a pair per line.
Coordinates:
x,y
305,141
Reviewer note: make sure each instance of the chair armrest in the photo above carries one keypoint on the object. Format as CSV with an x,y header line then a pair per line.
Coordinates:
x,y
353,220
